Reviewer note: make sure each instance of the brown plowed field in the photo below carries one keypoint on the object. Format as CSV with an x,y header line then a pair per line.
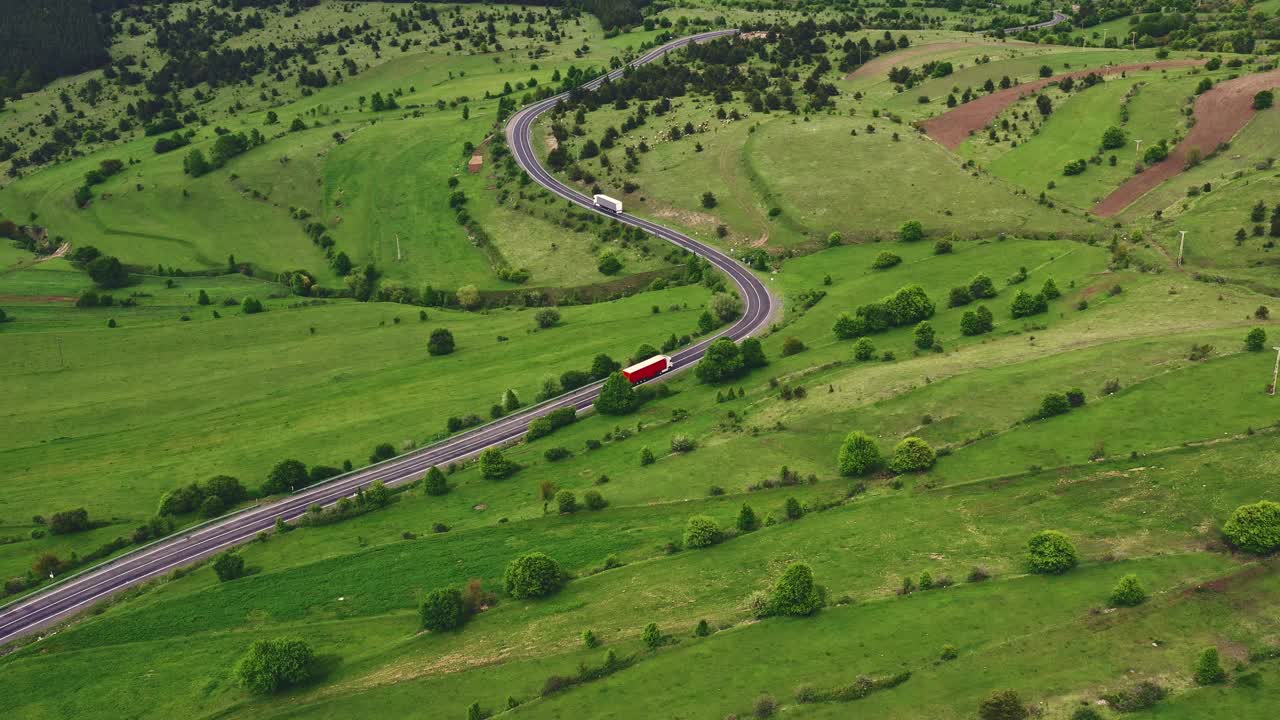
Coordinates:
x,y
880,65
952,128
1220,114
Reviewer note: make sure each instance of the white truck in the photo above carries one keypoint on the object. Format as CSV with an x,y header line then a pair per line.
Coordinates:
x,y
608,203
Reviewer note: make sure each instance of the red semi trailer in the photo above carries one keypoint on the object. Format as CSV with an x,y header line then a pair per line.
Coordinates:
x,y
647,369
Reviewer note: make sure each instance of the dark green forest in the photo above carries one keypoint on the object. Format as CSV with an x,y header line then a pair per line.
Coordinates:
x,y
40,41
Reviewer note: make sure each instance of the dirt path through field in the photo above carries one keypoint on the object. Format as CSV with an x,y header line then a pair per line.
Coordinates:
x,y
952,128
1220,114
880,65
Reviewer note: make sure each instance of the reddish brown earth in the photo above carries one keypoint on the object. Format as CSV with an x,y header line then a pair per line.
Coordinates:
x,y
952,128
35,298
1220,114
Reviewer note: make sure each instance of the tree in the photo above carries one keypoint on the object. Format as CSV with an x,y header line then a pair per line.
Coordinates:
x,y
69,521
1255,528
1208,668
195,164
547,318
725,306
923,334
440,342
203,298
1114,138
1025,304
722,362
793,509
1256,339
107,272
251,305
859,454
533,575
848,327
384,451
1053,404
617,396
1003,705
652,636
228,566
443,610
747,520
792,345
272,665
609,264
287,475
912,454
911,231
511,401
494,465
864,349
1050,290
297,124
982,287
1128,592
1051,552
752,354
341,264
885,260
795,594
701,531
646,456
708,200
602,366
1263,100
977,323
1044,105
707,322
566,501
594,500
435,482
468,297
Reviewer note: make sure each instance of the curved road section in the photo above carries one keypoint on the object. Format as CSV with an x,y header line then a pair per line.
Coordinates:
x,y
79,592
1058,18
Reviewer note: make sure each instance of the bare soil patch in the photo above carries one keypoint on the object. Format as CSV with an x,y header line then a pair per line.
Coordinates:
x,y
952,128
36,299
1220,114
881,64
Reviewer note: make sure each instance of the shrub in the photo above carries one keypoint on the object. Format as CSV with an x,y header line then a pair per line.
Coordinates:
x,y
1128,592
107,272
1051,552
1002,705
911,231
533,575
646,456
589,639
1075,167
69,521
949,652
924,335
494,465
1053,404
617,396
1263,100
440,342
765,706
443,610
792,345
1086,713
384,451
912,454
547,317
652,636
747,520
251,306
864,349
796,594
1025,304
682,444
557,453
977,322
1142,696
703,629
793,509
943,247
435,482
1256,339
272,665
982,287
594,500
566,501
228,566
885,260
859,454
1075,397
1255,528
701,531
722,361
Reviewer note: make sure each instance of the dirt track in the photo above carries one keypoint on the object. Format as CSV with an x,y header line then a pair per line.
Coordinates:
x,y
952,128
881,64
1220,114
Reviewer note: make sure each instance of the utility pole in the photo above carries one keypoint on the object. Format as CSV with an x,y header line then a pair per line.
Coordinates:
x,y
1275,372
1182,243
1139,150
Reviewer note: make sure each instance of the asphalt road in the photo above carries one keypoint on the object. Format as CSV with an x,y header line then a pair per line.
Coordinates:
x,y
1058,18
80,592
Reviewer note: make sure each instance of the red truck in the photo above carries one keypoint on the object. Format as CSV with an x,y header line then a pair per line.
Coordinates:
x,y
647,369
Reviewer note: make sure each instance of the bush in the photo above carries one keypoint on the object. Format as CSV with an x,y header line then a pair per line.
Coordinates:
x,y
69,521
441,342
924,335
384,451
557,453
566,501
1053,404
1263,100
977,322
435,482
1025,304
765,706
251,305
1142,696
646,456
722,361
1128,592
793,509
107,272
443,610
859,454
1051,552
594,500
652,636
1075,167
1002,705
1086,713
912,454
547,317
682,444
1255,528
795,594
228,566
1256,339
272,665
864,349
494,465
911,231
701,531
747,520
792,345
885,260
1075,397
943,247
533,575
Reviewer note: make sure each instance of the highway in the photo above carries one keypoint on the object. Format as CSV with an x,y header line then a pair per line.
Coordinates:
x,y
1058,18
77,593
